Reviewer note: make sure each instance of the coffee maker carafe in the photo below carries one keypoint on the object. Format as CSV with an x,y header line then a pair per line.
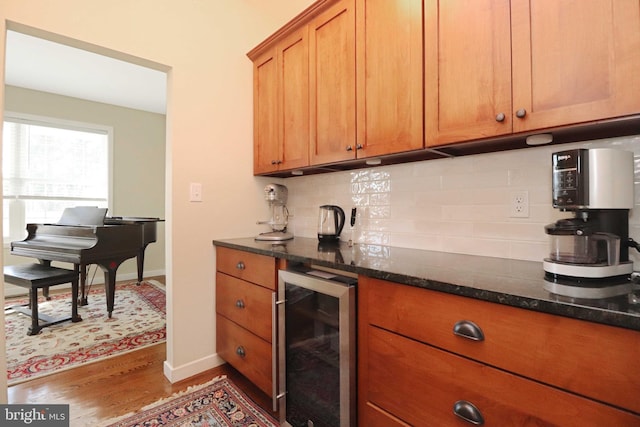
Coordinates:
x,y
330,223
589,253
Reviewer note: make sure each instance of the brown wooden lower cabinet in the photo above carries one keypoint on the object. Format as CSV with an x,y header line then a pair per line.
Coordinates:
x,y
421,384
245,297
405,378
246,352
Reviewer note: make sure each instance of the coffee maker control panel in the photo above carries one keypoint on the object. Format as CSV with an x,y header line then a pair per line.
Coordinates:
x,y
570,179
596,178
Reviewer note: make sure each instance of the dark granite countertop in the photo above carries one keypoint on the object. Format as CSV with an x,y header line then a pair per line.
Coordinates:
x,y
504,281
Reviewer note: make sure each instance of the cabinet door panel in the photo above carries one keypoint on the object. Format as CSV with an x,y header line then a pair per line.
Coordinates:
x,y
390,89
373,416
467,70
246,352
575,62
332,76
420,385
243,303
255,268
293,57
552,349
265,113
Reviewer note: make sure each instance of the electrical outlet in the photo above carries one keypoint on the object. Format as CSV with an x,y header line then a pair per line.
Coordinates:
x,y
519,204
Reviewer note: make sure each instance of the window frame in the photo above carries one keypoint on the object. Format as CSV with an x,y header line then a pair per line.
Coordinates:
x,y
56,122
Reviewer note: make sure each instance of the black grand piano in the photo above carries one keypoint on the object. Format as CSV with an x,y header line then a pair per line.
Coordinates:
x,y
85,235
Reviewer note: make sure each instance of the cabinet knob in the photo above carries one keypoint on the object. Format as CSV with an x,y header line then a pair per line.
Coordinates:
x,y
349,148
500,117
468,329
240,265
240,303
521,113
359,147
274,162
240,351
468,412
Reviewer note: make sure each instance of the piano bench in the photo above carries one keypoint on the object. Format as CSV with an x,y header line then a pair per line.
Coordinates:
x,y
35,276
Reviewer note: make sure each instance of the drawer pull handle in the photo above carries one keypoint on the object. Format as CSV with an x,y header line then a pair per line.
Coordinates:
x,y
468,329
240,351
468,412
240,303
240,265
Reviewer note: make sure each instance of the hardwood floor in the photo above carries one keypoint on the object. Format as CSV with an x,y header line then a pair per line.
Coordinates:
x,y
113,387
102,390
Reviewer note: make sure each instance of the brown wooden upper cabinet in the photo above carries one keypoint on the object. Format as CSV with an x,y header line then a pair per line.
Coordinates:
x,y
366,80
332,76
281,105
342,81
496,67
389,71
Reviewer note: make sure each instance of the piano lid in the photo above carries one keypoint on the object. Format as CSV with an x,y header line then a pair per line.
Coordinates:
x,y
83,215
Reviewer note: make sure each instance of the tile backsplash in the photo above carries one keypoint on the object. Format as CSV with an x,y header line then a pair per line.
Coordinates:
x,y
459,205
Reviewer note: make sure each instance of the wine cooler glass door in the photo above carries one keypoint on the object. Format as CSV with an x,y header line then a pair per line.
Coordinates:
x,y
317,351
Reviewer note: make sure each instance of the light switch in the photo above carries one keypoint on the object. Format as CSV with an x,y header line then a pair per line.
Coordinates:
x,y
195,192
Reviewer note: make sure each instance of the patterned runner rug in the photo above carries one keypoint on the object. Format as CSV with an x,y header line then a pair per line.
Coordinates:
x,y
217,403
138,321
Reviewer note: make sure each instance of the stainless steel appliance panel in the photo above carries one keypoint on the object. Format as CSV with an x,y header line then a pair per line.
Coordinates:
x,y
317,356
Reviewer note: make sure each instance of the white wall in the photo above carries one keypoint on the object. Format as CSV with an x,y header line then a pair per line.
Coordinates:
x,y
202,45
458,205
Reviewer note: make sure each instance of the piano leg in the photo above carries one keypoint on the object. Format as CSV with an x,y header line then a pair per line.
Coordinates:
x,y
83,284
75,317
140,261
110,269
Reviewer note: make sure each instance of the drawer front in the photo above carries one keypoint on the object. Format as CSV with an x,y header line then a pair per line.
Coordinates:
x,y
373,416
258,269
584,357
246,304
246,352
421,384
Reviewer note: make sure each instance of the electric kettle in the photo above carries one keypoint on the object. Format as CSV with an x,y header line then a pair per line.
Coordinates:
x,y
330,223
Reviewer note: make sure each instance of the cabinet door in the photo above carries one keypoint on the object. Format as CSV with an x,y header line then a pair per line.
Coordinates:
x,y
422,385
254,268
245,304
574,61
265,113
389,66
333,85
467,70
246,352
293,61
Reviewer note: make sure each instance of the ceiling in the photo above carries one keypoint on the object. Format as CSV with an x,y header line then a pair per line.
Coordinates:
x,y
43,65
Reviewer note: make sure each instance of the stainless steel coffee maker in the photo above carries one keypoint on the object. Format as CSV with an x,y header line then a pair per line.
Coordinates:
x,y
589,252
276,195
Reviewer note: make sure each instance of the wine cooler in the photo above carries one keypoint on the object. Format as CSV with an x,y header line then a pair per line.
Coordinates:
x,y
317,349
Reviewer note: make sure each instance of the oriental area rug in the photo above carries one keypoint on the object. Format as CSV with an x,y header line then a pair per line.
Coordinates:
x,y
217,403
138,321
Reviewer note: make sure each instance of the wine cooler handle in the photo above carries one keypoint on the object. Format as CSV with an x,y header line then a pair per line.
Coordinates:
x,y
274,353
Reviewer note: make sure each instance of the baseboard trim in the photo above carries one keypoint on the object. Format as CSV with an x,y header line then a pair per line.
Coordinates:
x,y
175,374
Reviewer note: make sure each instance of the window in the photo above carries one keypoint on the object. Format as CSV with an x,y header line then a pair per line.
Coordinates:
x,y
48,165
